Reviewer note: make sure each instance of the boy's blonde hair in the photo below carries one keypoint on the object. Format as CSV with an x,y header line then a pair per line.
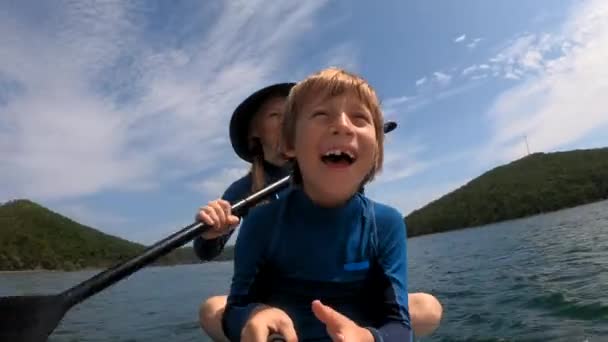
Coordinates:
x,y
328,83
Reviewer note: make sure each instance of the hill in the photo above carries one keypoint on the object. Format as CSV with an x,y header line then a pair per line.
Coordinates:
x,y
34,237
538,183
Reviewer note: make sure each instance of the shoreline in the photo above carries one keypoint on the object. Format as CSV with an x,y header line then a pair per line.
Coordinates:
x,y
94,269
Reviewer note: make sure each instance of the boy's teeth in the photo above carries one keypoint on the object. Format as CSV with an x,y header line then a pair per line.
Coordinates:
x,y
338,152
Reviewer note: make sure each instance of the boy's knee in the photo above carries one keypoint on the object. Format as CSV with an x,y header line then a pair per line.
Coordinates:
x,y
426,312
212,309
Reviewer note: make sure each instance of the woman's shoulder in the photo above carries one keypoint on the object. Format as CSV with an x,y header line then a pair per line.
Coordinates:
x,y
239,189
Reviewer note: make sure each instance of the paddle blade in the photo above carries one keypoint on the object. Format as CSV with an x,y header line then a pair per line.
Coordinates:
x,y
389,126
30,318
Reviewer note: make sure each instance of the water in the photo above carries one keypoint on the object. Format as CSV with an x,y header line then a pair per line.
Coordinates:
x,y
543,278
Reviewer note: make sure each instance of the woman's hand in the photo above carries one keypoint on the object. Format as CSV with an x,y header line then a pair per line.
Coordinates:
x,y
218,215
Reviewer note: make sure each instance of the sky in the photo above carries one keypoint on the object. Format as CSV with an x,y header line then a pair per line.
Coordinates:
x,y
115,113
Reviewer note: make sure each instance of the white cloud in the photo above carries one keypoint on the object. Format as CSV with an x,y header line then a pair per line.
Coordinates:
x,y
404,104
408,199
566,98
420,82
397,100
400,162
343,56
525,55
532,60
104,107
152,233
390,106
479,77
469,70
441,78
477,72
474,43
407,104
215,185
456,90
108,222
460,38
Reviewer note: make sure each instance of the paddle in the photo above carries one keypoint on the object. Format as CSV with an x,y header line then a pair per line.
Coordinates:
x,y
33,318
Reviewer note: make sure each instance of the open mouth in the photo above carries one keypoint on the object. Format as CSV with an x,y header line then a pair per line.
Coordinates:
x,y
338,158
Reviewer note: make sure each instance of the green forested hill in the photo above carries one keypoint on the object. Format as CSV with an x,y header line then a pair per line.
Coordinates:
x,y
33,237
538,183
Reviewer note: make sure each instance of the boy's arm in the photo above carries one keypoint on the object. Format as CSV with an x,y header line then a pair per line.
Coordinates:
x,y
248,256
392,257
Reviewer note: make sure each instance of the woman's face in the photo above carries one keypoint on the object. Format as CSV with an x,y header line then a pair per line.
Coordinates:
x,y
266,126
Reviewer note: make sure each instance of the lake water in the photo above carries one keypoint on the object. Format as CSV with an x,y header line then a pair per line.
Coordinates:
x,y
543,278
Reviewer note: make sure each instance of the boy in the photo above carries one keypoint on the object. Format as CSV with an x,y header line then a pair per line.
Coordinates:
x,y
323,242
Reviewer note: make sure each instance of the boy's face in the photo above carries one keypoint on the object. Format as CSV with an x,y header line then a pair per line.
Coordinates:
x,y
335,146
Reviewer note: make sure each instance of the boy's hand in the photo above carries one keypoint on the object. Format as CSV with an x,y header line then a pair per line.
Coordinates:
x,y
218,215
266,320
340,327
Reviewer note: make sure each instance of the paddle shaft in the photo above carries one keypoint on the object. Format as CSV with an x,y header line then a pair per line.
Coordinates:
x,y
112,275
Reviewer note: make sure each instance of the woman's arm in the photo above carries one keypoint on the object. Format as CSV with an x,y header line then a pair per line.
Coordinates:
x,y
208,249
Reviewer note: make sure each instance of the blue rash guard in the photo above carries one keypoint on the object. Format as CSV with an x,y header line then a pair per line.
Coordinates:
x,y
207,249
353,258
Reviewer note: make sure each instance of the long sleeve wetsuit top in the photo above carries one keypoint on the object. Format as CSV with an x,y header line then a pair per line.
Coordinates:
x,y
353,258
207,249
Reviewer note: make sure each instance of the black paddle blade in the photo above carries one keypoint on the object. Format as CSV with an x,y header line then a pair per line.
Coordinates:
x,y
30,318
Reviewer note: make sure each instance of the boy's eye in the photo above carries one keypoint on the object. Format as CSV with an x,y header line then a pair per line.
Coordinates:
x,y
361,118
319,113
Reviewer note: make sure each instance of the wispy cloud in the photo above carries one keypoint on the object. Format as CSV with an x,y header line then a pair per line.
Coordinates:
x,y
101,106
438,88
390,106
108,222
526,55
469,70
565,98
442,78
476,72
401,161
420,81
215,185
473,44
412,198
344,56
460,39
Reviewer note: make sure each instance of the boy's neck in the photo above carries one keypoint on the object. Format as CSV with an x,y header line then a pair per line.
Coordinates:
x,y
325,198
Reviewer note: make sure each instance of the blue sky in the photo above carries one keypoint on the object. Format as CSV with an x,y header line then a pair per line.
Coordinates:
x,y
115,113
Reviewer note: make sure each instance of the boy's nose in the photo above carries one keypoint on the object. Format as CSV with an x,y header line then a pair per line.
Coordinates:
x,y
343,124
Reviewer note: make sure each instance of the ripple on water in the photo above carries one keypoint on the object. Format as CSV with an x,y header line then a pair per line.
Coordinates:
x,y
557,304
